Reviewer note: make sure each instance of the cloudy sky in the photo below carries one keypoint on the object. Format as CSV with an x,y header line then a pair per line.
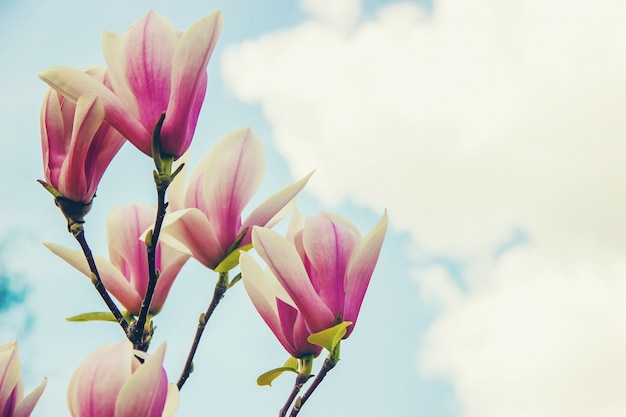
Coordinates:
x,y
493,132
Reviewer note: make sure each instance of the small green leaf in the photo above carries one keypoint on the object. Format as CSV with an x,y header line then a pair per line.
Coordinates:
x,y
50,188
291,363
95,316
232,260
99,316
329,338
268,377
235,280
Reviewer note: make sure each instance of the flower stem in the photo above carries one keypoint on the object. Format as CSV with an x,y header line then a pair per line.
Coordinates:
x,y
137,334
301,379
220,289
329,364
78,232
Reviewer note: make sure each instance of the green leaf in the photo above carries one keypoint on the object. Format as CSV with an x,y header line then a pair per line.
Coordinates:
x,y
268,377
99,316
232,260
330,338
95,316
291,363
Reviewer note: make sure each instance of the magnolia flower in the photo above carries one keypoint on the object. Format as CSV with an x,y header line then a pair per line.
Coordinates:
x,y
210,226
325,268
12,401
77,145
276,308
125,276
153,69
113,382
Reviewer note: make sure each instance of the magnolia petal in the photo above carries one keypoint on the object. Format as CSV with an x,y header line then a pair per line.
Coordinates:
x,y
328,246
112,46
26,406
171,263
53,144
188,82
295,225
148,50
128,253
262,288
113,280
106,142
283,259
360,270
88,116
225,181
95,385
73,83
267,212
336,218
145,392
300,338
171,403
9,371
191,228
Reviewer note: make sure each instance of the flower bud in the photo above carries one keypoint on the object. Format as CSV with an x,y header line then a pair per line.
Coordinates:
x,y
12,401
114,382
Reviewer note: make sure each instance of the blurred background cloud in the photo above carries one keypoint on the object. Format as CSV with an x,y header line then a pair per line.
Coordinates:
x,y
473,124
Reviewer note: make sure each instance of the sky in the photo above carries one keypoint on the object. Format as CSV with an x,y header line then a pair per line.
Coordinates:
x,y
492,132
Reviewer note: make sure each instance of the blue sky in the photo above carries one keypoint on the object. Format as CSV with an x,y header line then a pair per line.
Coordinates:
x,y
493,132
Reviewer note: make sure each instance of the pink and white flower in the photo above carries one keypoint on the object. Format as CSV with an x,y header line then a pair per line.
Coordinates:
x,y
77,144
113,382
325,268
153,69
125,275
12,401
277,309
218,191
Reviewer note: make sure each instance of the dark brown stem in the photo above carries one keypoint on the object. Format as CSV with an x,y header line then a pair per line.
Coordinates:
x,y
220,289
329,364
301,379
137,333
79,233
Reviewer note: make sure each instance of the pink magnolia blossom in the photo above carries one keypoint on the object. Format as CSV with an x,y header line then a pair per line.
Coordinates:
x,y
125,276
276,308
218,191
325,268
12,401
113,382
153,69
77,145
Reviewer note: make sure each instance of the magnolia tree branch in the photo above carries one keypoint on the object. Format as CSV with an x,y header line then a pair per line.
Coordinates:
x,y
220,289
79,233
329,364
137,334
301,379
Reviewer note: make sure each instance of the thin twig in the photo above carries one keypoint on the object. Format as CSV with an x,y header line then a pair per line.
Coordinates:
x,y
301,379
79,233
220,289
137,335
329,364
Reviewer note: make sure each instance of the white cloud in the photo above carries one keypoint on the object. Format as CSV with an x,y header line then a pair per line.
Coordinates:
x,y
337,14
484,118
545,340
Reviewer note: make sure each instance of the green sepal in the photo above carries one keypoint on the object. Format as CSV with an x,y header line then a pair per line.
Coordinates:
x,y
50,188
235,280
100,316
232,260
268,377
330,338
